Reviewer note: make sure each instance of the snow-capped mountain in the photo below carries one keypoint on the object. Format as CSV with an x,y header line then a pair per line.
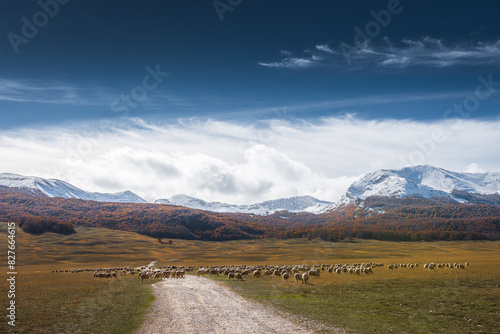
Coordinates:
x,y
58,188
416,181
292,204
421,181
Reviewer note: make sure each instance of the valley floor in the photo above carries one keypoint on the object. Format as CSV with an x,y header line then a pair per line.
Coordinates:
x,y
447,301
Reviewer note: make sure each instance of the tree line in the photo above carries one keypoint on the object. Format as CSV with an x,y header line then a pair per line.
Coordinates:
x,y
384,219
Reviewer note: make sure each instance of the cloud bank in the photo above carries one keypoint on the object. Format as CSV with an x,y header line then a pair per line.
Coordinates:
x,y
243,163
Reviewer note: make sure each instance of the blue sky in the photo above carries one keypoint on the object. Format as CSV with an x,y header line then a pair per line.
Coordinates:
x,y
275,67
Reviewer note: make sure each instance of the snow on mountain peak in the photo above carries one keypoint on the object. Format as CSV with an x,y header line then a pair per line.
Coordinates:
x,y
424,181
292,204
416,181
58,188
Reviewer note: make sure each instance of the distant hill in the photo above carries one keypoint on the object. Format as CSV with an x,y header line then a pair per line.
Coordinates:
x,y
377,217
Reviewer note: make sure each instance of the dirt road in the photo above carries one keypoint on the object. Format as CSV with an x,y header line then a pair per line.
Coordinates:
x,y
199,305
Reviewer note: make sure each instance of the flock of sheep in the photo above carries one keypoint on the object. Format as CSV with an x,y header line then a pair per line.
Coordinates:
x,y
98,272
449,265
300,273
146,273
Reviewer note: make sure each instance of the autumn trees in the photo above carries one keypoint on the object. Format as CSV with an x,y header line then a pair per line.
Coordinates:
x,y
396,220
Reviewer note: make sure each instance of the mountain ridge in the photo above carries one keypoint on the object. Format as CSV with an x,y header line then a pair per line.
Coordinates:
x,y
59,188
422,181
290,204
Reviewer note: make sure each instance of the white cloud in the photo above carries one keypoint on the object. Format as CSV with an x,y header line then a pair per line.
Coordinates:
x,y
474,168
62,93
292,62
242,163
324,48
427,51
47,93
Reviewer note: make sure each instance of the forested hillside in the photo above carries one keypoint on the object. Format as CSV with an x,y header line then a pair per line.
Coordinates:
x,y
379,218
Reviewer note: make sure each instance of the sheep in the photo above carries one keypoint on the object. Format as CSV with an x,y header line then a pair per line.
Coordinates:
x,y
239,277
104,275
313,273
285,276
305,278
231,275
298,277
144,276
256,273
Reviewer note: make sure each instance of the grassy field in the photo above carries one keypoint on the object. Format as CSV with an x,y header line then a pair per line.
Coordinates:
x,y
77,303
400,301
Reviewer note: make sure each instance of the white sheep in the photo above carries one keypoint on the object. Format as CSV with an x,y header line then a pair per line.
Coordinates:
x,y
305,278
298,277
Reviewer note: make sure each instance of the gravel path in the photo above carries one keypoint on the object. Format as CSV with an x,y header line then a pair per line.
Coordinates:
x,y
199,305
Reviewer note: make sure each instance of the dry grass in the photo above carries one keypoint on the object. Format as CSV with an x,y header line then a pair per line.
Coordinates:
x,y
77,303
397,301
404,300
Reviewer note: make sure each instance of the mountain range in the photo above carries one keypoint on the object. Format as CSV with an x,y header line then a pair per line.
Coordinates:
x,y
58,188
410,182
292,204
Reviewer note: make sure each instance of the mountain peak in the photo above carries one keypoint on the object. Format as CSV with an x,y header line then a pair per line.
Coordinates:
x,y
422,181
58,188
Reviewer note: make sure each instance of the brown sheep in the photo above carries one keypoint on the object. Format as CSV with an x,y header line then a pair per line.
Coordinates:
x,y
256,273
144,276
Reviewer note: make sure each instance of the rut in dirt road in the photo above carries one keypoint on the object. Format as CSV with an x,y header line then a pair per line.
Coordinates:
x,y
199,305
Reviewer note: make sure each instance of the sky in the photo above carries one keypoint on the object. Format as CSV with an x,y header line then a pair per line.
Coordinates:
x,y
242,101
